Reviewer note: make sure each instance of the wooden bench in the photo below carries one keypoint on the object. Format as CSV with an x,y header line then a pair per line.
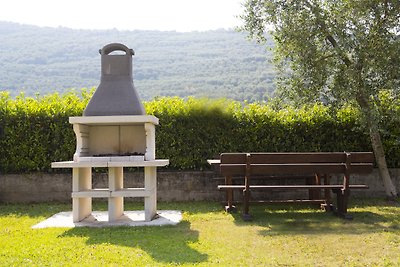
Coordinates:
x,y
278,165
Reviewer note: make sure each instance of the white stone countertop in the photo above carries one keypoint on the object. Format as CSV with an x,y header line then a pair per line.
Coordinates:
x,y
114,120
83,164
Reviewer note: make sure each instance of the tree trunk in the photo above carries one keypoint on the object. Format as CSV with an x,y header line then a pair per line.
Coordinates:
x,y
377,146
370,120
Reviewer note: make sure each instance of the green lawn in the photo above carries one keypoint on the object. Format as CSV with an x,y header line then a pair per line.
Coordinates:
x,y
279,235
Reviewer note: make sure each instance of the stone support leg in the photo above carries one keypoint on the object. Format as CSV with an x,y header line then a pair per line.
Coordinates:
x,y
116,182
81,181
150,184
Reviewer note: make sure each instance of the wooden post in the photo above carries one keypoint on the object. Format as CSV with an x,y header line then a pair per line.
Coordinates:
x,y
314,194
327,193
229,195
343,194
246,192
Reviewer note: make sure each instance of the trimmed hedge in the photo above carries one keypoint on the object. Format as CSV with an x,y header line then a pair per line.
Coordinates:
x,y
35,131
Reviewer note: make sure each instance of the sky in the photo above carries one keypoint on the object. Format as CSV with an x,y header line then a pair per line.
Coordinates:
x,y
163,15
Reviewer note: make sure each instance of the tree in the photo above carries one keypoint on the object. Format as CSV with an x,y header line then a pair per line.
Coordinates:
x,y
337,51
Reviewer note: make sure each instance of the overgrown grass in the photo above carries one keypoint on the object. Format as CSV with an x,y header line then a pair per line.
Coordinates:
x,y
278,236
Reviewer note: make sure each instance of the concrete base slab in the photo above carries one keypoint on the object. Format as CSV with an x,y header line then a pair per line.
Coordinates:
x,y
100,219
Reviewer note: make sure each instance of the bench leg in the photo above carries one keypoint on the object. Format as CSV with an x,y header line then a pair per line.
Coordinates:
x,y
342,197
246,199
229,196
328,206
314,193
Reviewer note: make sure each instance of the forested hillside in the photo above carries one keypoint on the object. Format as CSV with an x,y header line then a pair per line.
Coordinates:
x,y
214,63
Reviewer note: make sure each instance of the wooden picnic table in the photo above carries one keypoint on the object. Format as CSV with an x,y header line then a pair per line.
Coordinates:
x,y
315,165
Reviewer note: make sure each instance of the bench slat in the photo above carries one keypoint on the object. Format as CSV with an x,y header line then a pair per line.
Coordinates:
x,y
281,186
303,168
233,158
361,168
361,186
297,168
362,157
312,157
279,158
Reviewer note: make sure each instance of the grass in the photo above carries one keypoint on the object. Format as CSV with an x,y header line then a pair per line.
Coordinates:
x,y
279,235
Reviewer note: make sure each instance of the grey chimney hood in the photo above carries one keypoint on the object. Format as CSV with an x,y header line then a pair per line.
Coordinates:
x,y
116,94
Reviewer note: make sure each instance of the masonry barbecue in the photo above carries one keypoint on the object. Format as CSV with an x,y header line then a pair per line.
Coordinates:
x,y
114,132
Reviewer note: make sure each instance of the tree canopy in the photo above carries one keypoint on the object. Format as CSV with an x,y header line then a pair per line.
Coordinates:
x,y
334,52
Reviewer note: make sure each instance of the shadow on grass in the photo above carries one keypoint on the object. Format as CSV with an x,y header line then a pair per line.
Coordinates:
x,y
166,244
293,220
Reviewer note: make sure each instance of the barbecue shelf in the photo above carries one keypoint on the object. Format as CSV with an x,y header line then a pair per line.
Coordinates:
x,y
82,191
